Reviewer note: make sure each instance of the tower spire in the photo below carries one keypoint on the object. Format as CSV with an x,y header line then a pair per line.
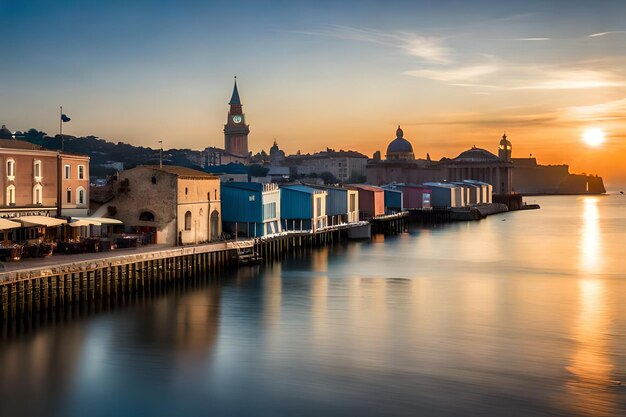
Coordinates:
x,y
235,97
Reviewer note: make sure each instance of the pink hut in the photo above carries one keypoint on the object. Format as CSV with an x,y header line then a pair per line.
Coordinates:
x,y
415,196
371,200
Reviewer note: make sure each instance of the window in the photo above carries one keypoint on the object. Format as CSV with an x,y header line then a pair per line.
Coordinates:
x,y
188,220
37,169
11,194
80,196
69,195
318,211
68,172
251,197
269,211
186,190
81,172
215,192
37,192
352,202
11,169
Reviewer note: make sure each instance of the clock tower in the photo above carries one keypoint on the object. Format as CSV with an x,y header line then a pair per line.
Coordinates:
x,y
236,130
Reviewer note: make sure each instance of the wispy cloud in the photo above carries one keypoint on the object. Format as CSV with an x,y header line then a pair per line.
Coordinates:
x,y
614,110
429,49
568,79
455,75
611,32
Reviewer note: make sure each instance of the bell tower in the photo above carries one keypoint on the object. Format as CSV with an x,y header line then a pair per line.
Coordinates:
x,y
505,148
236,130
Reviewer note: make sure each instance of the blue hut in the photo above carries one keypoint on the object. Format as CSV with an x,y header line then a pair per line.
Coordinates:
x,y
393,200
250,209
342,204
302,208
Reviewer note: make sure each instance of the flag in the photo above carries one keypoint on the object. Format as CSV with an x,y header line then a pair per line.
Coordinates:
x,y
64,118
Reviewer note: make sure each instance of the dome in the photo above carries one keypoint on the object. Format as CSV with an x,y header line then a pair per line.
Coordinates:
x,y
476,155
5,133
400,148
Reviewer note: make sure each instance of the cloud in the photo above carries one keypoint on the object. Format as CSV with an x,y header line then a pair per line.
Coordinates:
x,y
611,32
567,79
429,49
609,111
456,75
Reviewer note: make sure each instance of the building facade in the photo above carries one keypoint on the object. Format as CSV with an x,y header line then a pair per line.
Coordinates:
x,y
41,182
177,205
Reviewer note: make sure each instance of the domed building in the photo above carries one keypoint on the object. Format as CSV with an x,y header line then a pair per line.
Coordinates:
x,y
400,149
480,165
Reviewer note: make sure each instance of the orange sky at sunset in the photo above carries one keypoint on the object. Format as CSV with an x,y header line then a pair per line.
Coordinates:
x,y
318,75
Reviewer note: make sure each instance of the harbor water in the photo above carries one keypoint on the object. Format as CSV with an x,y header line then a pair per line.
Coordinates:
x,y
520,314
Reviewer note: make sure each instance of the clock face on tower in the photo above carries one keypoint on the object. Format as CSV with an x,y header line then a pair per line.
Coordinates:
x,y
237,119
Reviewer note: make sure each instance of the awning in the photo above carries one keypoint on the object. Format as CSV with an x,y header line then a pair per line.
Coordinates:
x,y
40,221
8,224
100,220
83,222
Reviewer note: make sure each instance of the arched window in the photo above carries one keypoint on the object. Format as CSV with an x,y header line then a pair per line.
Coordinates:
x,y
11,169
80,196
37,169
188,220
146,216
10,194
37,194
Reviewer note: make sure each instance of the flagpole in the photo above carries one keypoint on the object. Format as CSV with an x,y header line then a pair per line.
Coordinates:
x,y
61,126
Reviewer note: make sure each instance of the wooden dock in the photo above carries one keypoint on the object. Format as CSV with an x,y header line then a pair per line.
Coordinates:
x,y
62,282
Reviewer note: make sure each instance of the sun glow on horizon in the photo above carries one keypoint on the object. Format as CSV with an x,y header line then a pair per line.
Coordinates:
x,y
594,137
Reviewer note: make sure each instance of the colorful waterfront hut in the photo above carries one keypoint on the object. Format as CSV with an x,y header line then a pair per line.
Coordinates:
x,y
414,197
445,195
486,190
250,209
302,208
342,204
371,200
393,200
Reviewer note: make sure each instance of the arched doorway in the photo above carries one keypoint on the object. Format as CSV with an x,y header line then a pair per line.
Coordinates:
x,y
146,216
215,225
148,230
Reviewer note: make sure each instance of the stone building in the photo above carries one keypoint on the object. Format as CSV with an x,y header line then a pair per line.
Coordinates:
x,y
343,165
177,205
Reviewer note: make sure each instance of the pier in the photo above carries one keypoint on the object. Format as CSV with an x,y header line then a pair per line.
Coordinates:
x,y
34,287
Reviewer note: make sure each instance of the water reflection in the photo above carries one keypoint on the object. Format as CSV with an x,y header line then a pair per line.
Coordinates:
x,y
590,242
591,364
523,317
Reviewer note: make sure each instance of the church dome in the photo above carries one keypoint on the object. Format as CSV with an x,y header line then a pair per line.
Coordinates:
x,y
400,148
476,155
5,133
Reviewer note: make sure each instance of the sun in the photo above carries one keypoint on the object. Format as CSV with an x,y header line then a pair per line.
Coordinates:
x,y
593,137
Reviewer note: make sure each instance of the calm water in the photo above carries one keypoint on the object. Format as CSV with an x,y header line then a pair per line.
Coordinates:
x,y
522,314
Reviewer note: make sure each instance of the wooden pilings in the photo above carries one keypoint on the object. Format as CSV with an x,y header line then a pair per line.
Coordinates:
x,y
48,293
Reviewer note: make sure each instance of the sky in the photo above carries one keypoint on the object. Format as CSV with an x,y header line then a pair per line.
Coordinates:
x,y
317,74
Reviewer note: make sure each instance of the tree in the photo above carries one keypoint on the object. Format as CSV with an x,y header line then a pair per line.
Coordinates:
x,y
328,178
256,170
